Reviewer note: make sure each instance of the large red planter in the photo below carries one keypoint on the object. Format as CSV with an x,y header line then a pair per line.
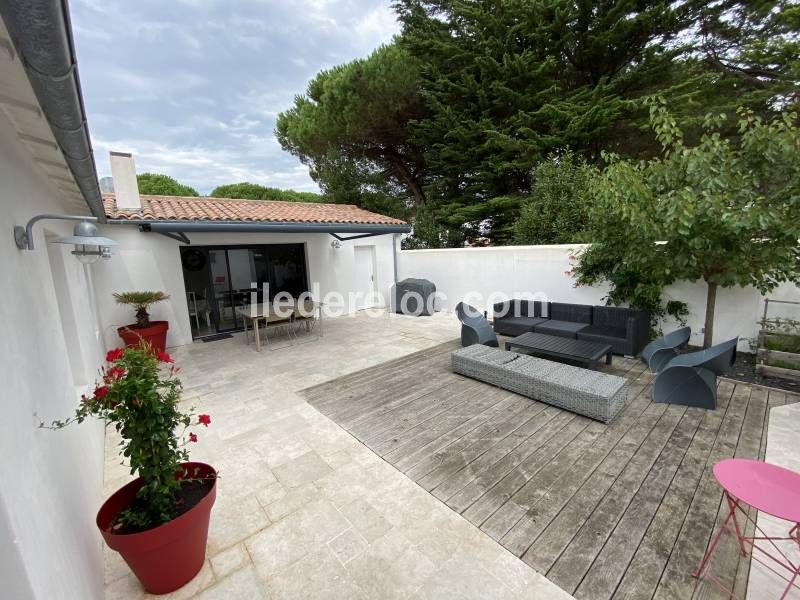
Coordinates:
x,y
155,335
169,556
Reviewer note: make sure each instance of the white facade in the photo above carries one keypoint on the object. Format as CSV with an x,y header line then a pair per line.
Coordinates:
x,y
50,482
477,275
150,261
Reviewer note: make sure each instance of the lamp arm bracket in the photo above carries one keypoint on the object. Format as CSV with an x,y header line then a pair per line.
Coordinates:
x,y
23,236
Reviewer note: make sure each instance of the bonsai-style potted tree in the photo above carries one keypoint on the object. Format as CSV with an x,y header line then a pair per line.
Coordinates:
x,y
159,521
151,332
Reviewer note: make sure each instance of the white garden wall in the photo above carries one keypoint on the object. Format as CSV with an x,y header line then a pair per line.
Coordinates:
x,y
476,274
50,482
149,261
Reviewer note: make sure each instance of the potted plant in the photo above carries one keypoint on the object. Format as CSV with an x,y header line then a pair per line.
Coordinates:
x,y
159,521
151,332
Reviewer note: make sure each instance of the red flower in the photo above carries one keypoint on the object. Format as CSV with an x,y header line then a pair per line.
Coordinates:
x,y
114,354
113,374
192,437
100,392
163,357
204,420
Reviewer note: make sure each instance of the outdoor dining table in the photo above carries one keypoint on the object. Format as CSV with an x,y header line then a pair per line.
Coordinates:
x,y
270,312
772,490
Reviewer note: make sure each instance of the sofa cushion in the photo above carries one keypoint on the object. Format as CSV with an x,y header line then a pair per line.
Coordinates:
x,y
600,331
560,328
573,313
611,316
516,325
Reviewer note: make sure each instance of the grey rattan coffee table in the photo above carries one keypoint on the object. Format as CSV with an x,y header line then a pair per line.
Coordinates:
x,y
554,347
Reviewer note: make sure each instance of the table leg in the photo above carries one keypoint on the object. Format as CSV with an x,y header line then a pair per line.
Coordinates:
x,y
608,358
258,336
732,506
246,339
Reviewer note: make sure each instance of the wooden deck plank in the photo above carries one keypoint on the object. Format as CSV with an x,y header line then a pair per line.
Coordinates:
x,y
361,404
563,555
545,508
465,445
329,392
695,532
493,474
455,470
590,441
609,564
508,410
571,516
498,494
458,419
642,573
609,511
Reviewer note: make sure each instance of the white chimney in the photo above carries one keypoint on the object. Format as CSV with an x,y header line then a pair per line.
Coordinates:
x,y
126,190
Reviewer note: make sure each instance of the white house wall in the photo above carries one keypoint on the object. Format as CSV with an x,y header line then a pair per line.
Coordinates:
x,y
513,270
51,482
150,261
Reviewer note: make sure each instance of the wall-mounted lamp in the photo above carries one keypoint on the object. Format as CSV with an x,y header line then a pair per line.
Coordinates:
x,y
89,247
336,244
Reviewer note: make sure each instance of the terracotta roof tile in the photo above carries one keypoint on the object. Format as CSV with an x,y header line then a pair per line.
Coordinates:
x,y
189,208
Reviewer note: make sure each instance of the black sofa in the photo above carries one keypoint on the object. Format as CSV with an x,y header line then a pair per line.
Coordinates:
x,y
626,329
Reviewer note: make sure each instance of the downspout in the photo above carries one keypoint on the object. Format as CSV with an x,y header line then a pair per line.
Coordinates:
x,y
394,255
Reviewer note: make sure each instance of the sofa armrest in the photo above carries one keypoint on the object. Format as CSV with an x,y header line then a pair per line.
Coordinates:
x,y
637,331
502,309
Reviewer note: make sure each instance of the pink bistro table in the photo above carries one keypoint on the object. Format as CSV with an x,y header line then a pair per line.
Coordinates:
x,y
770,489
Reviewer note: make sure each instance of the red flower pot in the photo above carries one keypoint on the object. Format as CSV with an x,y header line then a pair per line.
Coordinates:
x,y
155,335
169,556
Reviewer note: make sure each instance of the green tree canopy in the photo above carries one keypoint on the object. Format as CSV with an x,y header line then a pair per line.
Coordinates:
x,y
557,209
448,121
254,191
155,184
725,211
356,117
509,82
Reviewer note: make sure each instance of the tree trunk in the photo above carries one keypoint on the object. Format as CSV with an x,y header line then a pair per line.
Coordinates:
x,y
711,300
404,174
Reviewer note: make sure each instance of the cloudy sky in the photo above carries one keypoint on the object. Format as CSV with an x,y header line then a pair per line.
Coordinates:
x,y
192,87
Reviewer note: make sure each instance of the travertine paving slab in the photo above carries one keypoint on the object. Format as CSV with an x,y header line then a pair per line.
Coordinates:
x,y
304,510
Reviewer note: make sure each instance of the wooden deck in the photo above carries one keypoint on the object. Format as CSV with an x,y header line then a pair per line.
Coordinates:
x,y
605,511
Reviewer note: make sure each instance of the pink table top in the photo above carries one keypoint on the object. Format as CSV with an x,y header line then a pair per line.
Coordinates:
x,y
769,488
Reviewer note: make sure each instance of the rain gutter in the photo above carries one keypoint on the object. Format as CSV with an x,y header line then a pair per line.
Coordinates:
x,y
42,34
259,227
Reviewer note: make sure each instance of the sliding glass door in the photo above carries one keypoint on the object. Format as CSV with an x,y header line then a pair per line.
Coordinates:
x,y
219,279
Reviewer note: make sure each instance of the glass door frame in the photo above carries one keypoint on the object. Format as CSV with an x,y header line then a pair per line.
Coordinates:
x,y
210,287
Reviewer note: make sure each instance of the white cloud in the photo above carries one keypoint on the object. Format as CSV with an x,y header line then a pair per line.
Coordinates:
x,y
193,88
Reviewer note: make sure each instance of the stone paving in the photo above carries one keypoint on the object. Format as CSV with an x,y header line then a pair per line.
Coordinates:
x,y
303,509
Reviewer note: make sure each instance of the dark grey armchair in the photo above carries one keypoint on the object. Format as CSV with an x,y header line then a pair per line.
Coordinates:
x,y
475,329
691,379
662,350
